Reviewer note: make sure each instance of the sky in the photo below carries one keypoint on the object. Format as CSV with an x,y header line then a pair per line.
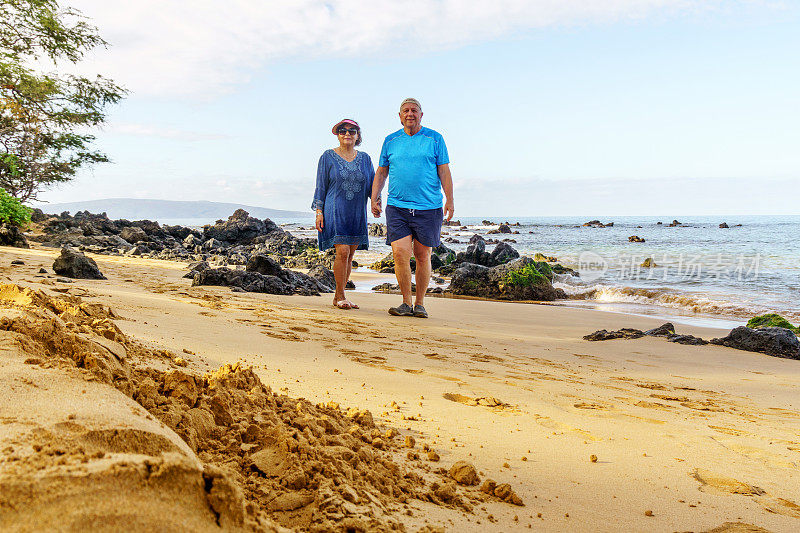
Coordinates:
x,y
548,107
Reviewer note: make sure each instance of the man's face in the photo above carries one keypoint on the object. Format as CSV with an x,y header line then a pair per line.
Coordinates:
x,y
410,116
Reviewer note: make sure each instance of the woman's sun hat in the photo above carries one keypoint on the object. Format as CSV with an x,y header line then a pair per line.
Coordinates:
x,y
344,121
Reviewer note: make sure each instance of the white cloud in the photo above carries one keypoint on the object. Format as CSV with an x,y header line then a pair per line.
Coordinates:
x,y
200,48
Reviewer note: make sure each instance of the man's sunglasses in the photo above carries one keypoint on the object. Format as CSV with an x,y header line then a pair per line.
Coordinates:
x,y
351,131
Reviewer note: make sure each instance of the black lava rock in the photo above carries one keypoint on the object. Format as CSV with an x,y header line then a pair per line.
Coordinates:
x,y
263,264
687,339
604,335
74,264
10,235
778,342
663,330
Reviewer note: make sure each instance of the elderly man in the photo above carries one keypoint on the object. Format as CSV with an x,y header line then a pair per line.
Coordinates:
x,y
416,163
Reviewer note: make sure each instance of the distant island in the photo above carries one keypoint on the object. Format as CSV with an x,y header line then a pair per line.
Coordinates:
x,y
160,210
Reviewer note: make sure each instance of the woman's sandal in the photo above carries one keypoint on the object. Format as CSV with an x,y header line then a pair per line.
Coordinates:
x,y
343,304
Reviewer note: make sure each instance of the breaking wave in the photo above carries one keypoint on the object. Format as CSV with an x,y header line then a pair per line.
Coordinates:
x,y
696,303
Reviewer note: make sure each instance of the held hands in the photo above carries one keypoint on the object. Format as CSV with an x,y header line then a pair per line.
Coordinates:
x,y
449,210
376,207
320,222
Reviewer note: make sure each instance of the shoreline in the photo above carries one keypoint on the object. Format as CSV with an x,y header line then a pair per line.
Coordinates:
x,y
365,280
706,296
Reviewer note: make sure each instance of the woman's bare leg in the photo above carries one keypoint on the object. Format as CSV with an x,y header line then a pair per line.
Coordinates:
x,y
341,272
353,249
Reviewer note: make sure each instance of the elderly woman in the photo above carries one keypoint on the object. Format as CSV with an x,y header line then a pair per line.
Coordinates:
x,y
344,185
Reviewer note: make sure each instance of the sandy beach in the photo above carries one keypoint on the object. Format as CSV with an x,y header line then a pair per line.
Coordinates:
x,y
620,435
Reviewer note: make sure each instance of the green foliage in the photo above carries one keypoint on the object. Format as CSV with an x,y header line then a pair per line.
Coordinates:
x,y
45,116
771,320
11,165
533,273
41,29
12,211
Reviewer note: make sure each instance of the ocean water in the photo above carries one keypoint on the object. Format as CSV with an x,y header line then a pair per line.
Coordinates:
x,y
703,273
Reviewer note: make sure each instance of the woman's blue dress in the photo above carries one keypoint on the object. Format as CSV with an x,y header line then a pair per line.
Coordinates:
x,y
343,189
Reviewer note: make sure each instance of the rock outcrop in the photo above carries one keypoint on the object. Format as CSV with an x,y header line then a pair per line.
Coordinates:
x,y
476,253
605,335
597,224
520,279
229,242
74,264
664,330
778,342
282,281
10,235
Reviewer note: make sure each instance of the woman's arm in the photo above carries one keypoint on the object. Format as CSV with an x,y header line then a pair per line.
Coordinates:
x,y
370,177
320,192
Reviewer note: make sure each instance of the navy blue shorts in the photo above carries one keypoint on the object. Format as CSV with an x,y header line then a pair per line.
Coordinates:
x,y
424,225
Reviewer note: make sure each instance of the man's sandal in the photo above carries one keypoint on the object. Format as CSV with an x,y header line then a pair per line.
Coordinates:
x,y
401,310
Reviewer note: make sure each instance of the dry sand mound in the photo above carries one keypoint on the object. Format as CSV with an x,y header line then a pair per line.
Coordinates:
x,y
108,434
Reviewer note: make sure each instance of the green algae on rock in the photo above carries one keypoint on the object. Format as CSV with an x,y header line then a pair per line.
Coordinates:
x,y
771,320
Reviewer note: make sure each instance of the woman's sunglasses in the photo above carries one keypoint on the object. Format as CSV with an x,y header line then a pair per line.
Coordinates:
x,y
343,131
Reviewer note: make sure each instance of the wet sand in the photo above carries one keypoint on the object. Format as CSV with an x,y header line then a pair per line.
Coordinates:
x,y
686,438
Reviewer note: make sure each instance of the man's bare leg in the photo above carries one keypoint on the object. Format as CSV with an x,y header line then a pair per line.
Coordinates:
x,y
401,249
422,254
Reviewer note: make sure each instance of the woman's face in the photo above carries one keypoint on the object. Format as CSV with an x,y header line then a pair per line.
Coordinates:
x,y
348,135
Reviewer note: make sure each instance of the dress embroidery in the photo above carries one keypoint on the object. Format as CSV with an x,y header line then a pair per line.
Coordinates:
x,y
352,177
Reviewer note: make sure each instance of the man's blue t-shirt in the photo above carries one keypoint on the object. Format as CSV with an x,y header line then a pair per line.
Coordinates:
x,y
412,160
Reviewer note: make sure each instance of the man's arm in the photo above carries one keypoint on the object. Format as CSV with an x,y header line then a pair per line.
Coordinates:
x,y
377,186
447,187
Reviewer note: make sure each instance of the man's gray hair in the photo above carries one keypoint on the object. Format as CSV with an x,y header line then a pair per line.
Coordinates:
x,y
411,101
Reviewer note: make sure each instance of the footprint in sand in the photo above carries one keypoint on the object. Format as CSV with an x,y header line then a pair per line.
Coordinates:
x,y
364,358
709,481
590,405
716,482
558,426
737,527
284,336
487,401
760,454
653,405
652,386
729,431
